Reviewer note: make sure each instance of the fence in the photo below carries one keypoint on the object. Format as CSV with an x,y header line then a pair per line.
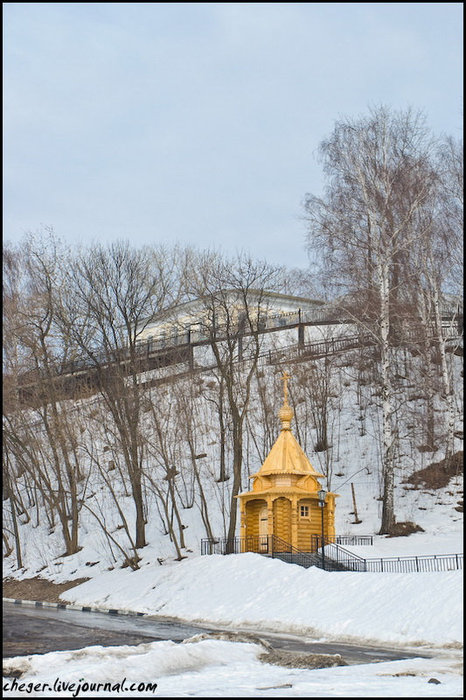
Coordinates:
x,y
268,545
342,539
334,557
409,564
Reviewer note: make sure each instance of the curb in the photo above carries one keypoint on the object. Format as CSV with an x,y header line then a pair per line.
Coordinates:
x,y
71,606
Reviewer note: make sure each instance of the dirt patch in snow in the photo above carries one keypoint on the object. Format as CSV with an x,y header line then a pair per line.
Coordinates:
x,y
229,637
277,657
438,474
293,659
404,529
38,589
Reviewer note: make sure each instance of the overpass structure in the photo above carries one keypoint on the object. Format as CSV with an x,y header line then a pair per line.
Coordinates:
x,y
183,353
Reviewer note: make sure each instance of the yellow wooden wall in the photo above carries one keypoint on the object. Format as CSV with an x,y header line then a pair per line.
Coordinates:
x,y
253,509
282,519
308,526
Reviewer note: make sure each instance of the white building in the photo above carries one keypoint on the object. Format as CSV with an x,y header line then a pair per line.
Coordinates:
x,y
193,320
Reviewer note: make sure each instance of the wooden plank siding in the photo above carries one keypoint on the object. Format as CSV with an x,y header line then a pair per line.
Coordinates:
x,y
282,519
308,526
253,510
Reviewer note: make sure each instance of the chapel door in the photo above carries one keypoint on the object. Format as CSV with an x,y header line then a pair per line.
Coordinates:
x,y
263,529
282,524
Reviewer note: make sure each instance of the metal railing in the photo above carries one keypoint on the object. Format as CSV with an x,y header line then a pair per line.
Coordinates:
x,y
354,540
319,348
435,562
407,564
262,544
149,347
270,546
335,558
332,345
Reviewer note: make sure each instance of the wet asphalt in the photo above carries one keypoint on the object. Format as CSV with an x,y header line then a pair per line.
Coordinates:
x,y
30,630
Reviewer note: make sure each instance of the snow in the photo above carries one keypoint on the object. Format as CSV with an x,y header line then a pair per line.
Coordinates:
x,y
213,668
418,611
247,590
416,544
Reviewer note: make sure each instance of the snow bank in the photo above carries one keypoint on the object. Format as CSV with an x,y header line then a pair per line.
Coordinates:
x,y
212,668
142,663
250,591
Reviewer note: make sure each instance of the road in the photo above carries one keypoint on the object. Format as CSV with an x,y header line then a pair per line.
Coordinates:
x,y
31,630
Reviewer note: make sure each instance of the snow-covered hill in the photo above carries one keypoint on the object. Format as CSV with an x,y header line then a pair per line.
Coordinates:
x,y
248,591
351,465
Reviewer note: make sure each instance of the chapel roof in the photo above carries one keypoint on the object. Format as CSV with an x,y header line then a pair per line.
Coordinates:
x,y
286,455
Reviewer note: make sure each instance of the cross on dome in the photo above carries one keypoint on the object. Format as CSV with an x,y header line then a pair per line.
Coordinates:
x,y
286,412
285,378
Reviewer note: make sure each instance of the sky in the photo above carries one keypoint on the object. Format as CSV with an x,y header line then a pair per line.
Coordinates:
x,y
199,123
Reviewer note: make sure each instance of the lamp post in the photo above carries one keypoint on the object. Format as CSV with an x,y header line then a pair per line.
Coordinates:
x,y
322,494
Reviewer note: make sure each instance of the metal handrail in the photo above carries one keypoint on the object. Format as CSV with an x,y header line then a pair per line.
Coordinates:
x,y
342,555
146,347
412,564
337,558
406,564
354,540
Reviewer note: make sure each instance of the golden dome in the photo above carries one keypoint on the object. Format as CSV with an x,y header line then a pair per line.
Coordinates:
x,y
286,455
286,416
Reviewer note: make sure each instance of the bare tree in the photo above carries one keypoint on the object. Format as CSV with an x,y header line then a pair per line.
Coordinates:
x,y
450,167
233,301
314,391
380,173
9,494
38,350
262,420
112,295
432,261
163,463
193,431
107,505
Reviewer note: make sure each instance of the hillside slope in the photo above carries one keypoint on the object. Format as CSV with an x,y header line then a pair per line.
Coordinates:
x,y
351,463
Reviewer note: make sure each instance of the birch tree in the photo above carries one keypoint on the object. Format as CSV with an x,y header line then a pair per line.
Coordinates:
x,y
380,175
438,269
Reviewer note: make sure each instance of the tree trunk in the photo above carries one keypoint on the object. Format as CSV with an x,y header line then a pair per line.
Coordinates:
x,y
388,505
136,488
236,486
446,381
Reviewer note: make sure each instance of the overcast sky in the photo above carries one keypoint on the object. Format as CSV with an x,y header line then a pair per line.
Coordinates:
x,y
199,123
